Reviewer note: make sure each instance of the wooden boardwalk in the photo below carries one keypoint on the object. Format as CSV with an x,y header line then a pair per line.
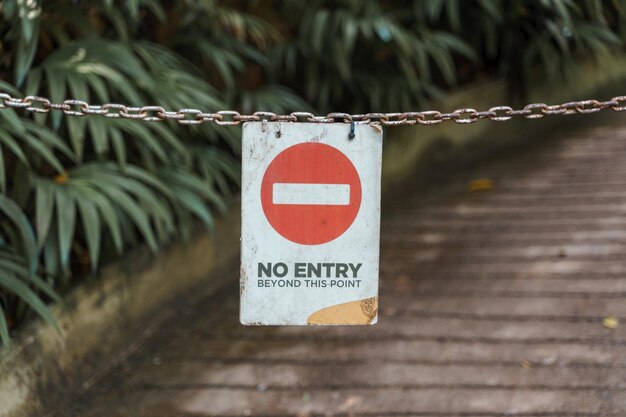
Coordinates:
x,y
492,304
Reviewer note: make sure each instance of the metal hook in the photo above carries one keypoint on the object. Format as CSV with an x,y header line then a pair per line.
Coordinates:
x,y
352,134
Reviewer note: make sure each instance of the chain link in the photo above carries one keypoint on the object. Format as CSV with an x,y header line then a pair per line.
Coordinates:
x,y
79,108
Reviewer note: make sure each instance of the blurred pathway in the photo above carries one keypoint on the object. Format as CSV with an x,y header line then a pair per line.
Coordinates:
x,y
492,304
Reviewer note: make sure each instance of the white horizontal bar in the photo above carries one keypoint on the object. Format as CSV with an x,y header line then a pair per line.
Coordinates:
x,y
311,194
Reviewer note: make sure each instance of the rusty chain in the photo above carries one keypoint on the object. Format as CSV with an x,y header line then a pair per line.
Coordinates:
x,y
79,108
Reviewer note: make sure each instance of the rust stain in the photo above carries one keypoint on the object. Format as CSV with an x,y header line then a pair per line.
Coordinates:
x,y
354,312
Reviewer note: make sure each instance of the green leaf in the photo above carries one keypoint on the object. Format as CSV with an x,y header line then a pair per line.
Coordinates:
x,y
4,328
98,129
76,130
50,138
51,252
193,184
137,215
2,174
492,9
8,88
194,204
445,64
91,226
44,207
147,198
319,29
98,85
119,147
33,82
14,122
66,222
139,132
110,218
25,53
27,236
147,178
454,14
168,137
27,295
14,264
56,85
44,151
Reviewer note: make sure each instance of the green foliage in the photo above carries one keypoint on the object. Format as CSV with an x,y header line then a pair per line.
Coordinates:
x,y
18,265
389,56
77,192
342,49
516,37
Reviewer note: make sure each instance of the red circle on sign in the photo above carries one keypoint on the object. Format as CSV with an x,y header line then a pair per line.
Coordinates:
x,y
311,193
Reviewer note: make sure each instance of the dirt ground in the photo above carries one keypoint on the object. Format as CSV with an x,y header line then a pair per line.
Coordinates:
x,y
508,300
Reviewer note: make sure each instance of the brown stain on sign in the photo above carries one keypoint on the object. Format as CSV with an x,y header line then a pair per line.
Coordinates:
x,y
355,312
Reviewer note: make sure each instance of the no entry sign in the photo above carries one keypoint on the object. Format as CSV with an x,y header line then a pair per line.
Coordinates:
x,y
310,223
311,193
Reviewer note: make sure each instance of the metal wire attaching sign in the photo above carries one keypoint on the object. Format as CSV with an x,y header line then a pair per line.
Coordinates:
x,y
310,223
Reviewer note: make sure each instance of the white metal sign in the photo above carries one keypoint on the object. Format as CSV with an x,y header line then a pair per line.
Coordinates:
x,y
310,223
